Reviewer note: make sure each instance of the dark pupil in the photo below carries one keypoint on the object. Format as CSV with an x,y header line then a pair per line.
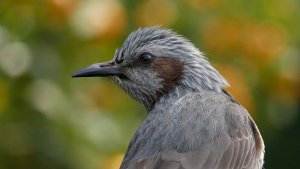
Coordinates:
x,y
146,58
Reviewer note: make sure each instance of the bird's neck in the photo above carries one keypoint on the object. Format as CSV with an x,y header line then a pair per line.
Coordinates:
x,y
177,93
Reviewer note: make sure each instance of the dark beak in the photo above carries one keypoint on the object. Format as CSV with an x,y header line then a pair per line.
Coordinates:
x,y
100,69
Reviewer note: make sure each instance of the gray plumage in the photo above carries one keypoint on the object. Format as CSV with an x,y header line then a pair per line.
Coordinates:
x,y
192,122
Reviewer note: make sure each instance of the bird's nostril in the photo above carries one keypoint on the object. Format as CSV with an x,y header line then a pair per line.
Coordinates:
x,y
108,64
119,60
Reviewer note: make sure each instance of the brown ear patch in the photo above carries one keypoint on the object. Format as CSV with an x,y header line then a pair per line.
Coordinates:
x,y
170,70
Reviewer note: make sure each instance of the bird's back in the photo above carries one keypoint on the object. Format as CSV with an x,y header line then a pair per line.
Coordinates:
x,y
196,130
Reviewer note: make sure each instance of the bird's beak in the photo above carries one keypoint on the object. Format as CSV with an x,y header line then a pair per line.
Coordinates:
x,y
100,69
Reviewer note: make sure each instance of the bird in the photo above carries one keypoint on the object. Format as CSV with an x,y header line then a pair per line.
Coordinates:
x,y
192,122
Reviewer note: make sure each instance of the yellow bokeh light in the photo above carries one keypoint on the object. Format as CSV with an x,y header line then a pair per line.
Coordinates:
x,y
4,95
259,43
114,162
156,12
94,18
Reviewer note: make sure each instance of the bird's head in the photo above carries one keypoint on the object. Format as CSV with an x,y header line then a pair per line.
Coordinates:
x,y
153,62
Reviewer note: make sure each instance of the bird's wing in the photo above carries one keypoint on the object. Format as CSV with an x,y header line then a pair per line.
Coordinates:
x,y
237,149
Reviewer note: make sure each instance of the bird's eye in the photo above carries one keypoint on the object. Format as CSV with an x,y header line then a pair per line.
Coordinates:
x,y
146,58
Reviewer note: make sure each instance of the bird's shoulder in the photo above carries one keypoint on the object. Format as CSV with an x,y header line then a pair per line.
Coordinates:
x,y
207,115
208,106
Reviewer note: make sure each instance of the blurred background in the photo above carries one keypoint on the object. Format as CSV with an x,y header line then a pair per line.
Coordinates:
x,y
49,120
